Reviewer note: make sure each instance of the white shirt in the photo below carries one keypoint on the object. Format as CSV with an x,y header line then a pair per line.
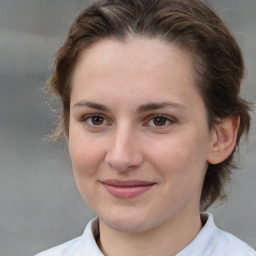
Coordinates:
x,y
210,241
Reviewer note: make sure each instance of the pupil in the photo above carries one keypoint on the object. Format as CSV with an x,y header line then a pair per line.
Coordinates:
x,y
97,120
159,121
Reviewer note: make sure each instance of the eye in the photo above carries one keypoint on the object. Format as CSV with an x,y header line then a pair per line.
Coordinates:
x,y
95,120
160,121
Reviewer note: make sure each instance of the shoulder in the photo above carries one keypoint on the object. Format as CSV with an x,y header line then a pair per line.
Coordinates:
x,y
234,246
68,248
213,241
80,246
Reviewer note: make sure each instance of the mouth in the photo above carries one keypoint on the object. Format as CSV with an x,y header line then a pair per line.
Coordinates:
x,y
127,189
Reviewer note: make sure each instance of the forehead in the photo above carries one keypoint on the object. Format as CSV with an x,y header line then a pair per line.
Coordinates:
x,y
136,67
134,50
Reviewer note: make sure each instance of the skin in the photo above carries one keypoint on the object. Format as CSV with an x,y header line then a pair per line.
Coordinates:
x,y
124,138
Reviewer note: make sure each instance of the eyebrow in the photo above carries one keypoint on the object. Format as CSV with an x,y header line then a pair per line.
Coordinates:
x,y
91,104
140,109
155,106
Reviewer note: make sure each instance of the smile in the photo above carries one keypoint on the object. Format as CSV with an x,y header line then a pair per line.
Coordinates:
x,y
127,189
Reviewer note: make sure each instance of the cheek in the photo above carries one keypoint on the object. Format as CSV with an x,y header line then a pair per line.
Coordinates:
x,y
181,157
182,168
86,154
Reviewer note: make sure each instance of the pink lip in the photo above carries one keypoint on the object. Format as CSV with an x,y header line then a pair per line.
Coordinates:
x,y
127,189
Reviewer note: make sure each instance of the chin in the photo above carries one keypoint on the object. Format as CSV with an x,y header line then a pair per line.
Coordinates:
x,y
126,223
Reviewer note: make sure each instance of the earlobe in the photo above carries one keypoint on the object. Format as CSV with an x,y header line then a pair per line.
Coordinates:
x,y
223,139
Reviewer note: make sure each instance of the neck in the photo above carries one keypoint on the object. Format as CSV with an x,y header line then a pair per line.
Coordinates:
x,y
167,239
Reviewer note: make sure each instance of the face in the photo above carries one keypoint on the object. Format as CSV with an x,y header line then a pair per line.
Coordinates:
x,y
138,134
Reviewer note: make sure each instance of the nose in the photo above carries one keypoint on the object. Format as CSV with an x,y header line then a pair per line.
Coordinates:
x,y
124,152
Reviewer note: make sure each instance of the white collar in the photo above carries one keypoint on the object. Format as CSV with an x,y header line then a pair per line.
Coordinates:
x,y
209,241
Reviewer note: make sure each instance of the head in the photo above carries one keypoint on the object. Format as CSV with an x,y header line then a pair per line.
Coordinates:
x,y
189,25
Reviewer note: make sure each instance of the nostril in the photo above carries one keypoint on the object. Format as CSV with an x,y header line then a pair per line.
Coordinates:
x,y
122,162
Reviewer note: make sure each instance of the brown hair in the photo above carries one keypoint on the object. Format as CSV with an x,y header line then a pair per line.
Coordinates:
x,y
190,25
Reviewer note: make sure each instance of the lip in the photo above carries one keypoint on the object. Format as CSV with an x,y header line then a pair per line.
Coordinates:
x,y
128,188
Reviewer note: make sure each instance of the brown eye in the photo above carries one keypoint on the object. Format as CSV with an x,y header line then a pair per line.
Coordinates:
x,y
159,121
97,120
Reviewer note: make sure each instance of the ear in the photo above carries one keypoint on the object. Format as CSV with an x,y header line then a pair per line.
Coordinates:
x,y
223,139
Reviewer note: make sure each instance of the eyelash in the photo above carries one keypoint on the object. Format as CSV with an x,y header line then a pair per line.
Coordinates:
x,y
166,119
86,119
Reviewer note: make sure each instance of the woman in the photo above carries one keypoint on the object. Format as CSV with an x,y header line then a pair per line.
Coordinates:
x,y
152,115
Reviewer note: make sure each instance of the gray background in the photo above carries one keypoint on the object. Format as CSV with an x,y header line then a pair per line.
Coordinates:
x,y
39,203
